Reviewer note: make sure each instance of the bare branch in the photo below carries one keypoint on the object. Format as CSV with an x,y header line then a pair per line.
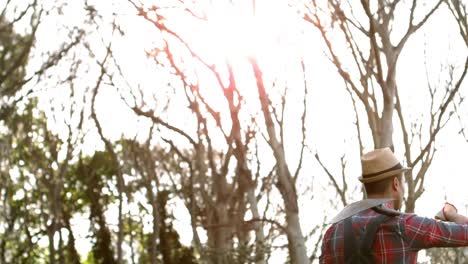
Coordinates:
x,y
459,12
303,123
341,191
374,46
412,27
159,121
442,110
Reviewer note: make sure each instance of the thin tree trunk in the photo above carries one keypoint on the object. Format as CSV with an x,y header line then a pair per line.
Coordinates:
x,y
259,235
120,231
218,220
286,184
102,250
410,203
246,183
386,123
115,161
155,234
61,249
193,217
132,250
222,231
73,255
50,234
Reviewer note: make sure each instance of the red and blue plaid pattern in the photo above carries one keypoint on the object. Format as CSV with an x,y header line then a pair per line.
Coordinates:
x,y
398,240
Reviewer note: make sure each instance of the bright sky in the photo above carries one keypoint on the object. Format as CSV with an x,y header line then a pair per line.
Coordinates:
x,y
278,38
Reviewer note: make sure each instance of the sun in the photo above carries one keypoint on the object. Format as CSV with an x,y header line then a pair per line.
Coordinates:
x,y
237,31
242,29
229,34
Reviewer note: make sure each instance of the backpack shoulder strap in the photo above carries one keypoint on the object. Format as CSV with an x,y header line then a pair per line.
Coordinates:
x,y
351,249
360,251
371,231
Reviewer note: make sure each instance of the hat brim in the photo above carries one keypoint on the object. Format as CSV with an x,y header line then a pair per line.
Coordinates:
x,y
383,175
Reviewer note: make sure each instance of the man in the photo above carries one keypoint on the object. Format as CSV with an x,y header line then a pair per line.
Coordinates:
x,y
374,231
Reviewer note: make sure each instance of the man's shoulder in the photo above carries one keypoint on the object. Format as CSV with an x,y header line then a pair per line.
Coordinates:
x,y
363,218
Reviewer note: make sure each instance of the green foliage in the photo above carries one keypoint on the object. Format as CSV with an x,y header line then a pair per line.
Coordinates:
x,y
22,192
172,251
90,258
29,155
92,173
14,53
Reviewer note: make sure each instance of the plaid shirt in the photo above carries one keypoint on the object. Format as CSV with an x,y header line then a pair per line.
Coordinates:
x,y
398,240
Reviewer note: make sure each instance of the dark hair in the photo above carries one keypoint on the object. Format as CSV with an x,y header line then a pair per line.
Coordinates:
x,y
380,186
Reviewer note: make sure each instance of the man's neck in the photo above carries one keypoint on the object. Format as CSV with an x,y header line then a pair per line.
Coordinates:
x,y
379,196
390,204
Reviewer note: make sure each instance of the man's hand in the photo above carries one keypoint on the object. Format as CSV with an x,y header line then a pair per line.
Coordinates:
x,y
450,213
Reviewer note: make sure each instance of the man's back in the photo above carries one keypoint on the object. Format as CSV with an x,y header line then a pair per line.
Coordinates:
x,y
397,240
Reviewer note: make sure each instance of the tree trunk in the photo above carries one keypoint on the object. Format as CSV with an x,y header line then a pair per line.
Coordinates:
x,y
296,241
73,255
60,248
152,244
286,184
221,233
153,252
244,174
132,249
410,202
218,221
259,235
102,249
50,234
386,122
121,226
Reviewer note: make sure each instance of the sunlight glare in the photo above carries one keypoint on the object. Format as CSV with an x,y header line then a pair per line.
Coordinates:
x,y
236,30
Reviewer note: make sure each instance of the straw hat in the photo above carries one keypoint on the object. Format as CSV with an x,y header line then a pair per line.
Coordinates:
x,y
380,164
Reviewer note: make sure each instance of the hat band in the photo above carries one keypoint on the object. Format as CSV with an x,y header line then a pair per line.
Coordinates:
x,y
396,167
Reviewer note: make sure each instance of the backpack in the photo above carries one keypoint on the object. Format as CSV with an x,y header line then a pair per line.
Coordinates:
x,y
360,252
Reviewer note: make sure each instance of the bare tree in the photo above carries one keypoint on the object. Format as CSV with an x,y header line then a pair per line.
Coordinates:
x,y
226,202
460,15
115,160
286,181
370,76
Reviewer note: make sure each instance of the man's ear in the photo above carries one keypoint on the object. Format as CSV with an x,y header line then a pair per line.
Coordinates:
x,y
395,183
